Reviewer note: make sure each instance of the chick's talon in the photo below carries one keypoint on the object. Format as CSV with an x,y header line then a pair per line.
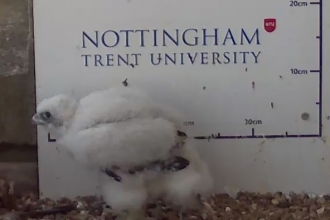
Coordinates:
x,y
112,174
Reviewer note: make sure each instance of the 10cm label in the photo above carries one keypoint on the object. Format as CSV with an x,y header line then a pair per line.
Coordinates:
x,y
253,122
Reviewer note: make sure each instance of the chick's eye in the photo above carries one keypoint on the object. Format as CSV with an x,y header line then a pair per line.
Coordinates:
x,y
46,115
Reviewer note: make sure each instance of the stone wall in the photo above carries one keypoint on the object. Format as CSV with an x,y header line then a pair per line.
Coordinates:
x,y
18,151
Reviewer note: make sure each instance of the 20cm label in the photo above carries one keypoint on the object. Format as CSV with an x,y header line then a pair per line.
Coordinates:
x,y
298,4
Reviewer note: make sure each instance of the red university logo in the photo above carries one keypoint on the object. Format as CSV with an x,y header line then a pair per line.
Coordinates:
x,y
270,24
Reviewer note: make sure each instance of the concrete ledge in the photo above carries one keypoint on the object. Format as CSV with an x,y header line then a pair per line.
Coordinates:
x,y
24,176
18,153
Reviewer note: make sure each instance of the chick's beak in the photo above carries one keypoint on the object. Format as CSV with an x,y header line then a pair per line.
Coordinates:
x,y
36,119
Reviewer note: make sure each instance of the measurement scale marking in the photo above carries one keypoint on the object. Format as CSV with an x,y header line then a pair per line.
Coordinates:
x,y
321,66
319,103
50,139
257,136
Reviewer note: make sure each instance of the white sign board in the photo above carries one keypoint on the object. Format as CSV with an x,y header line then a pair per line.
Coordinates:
x,y
247,74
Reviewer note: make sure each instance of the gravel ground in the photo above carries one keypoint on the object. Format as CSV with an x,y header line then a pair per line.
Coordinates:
x,y
249,206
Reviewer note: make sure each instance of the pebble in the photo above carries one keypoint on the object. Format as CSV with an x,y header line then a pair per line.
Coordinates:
x,y
321,200
275,202
320,211
80,205
245,206
83,212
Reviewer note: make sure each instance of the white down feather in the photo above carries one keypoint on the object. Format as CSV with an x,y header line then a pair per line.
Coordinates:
x,y
125,128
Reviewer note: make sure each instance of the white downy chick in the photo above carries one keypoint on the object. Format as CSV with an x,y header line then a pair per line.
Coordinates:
x,y
118,127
